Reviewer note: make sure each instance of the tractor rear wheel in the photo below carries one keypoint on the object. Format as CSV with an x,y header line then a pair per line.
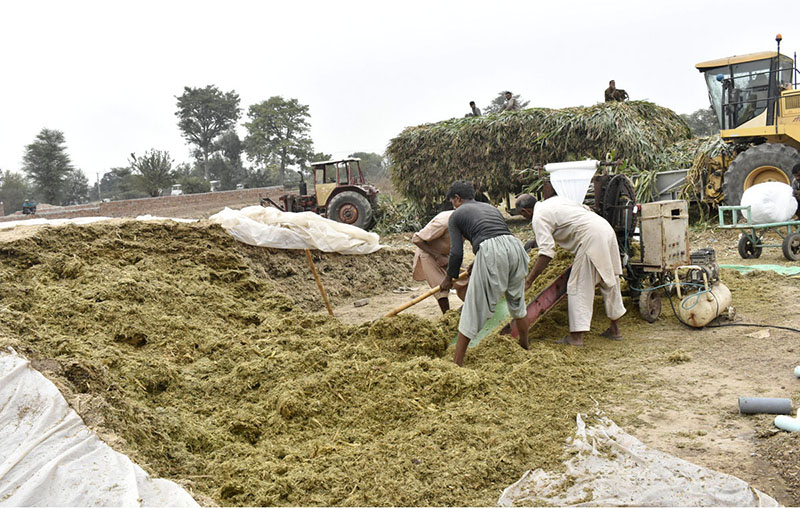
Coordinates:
x,y
352,208
768,162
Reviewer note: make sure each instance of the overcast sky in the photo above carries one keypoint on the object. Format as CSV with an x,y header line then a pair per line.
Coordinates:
x,y
107,73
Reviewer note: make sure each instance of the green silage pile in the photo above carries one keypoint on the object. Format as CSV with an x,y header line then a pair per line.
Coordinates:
x,y
201,365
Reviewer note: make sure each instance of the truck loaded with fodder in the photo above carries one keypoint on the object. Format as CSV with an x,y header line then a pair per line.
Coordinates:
x,y
758,110
495,150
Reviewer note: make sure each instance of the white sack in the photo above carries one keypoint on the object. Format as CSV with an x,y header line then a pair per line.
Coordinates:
x,y
612,468
270,227
770,202
49,457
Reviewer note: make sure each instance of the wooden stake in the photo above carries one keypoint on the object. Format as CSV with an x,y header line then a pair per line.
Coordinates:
x,y
319,282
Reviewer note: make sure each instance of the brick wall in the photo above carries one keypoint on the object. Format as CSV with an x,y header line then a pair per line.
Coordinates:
x,y
186,206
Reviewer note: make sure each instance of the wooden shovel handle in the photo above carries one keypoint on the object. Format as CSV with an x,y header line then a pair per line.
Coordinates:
x,y
319,282
421,297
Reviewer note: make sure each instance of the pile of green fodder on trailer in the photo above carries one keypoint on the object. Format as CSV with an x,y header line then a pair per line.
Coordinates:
x,y
492,150
695,154
204,369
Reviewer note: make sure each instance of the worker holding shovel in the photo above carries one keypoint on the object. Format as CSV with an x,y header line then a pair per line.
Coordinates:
x,y
430,259
500,266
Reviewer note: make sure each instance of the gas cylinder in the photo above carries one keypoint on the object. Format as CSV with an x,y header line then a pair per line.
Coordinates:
x,y
699,309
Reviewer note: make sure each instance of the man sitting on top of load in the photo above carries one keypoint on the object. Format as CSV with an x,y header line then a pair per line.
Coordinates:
x,y
615,94
592,240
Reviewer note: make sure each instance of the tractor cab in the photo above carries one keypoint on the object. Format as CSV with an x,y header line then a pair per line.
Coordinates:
x,y
743,90
330,175
757,109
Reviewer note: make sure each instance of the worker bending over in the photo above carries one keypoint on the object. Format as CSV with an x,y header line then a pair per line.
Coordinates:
x,y
593,242
499,268
431,257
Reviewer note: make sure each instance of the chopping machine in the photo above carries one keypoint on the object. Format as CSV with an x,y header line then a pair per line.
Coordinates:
x,y
653,241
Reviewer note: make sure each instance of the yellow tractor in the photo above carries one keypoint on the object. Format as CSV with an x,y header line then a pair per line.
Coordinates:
x,y
758,109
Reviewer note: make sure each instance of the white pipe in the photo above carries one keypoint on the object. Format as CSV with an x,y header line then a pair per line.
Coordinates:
x,y
787,423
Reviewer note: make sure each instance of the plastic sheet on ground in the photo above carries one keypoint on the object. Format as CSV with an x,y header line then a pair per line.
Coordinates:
x,y
149,217
80,221
609,467
270,227
51,222
49,457
783,270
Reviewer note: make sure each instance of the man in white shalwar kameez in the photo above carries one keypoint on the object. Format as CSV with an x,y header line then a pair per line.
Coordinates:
x,y
592,240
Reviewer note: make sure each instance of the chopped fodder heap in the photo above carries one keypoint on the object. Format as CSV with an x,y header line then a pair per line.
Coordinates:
x,y
198,361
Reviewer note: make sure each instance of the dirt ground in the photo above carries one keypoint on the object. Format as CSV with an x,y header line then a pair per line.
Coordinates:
x,y
682,384
690,408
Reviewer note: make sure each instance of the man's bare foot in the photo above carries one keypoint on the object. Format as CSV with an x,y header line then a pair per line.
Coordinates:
x,y
611,335
570,342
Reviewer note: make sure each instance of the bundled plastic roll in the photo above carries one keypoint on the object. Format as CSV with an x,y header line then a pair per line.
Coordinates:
x,y
770,202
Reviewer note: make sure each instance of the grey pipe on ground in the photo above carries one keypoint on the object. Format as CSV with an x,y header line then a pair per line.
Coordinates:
x,y
770,405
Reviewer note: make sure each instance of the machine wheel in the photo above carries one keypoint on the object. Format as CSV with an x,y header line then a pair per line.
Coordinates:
x,y
350,207
747,248
617,206
649,306
791,246
768,162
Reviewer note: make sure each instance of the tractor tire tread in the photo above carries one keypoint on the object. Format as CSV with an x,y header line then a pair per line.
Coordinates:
x,y
772,154
365,212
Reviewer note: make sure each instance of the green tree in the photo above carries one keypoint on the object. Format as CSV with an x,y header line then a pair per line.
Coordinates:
x,y
261,177
205,113
226,163
47,165
278,134
14,189
153,171
703,122
76,188
120,183
194,184
372,165
497,103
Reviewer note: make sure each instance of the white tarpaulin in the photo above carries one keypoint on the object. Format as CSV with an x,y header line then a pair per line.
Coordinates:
x,y
80,221
270,227
612,468
48,457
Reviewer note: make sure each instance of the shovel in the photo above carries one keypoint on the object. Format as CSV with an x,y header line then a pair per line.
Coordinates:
x,y
421,297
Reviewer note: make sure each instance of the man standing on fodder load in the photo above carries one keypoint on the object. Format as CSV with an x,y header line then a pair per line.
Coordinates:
x,y
510,104
615,94
499,268
430,259
593,242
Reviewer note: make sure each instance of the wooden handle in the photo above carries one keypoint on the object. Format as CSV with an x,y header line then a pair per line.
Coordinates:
x,y
319,282
421,297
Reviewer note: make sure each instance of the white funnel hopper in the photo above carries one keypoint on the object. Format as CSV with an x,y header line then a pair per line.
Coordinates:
x,y
571,179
